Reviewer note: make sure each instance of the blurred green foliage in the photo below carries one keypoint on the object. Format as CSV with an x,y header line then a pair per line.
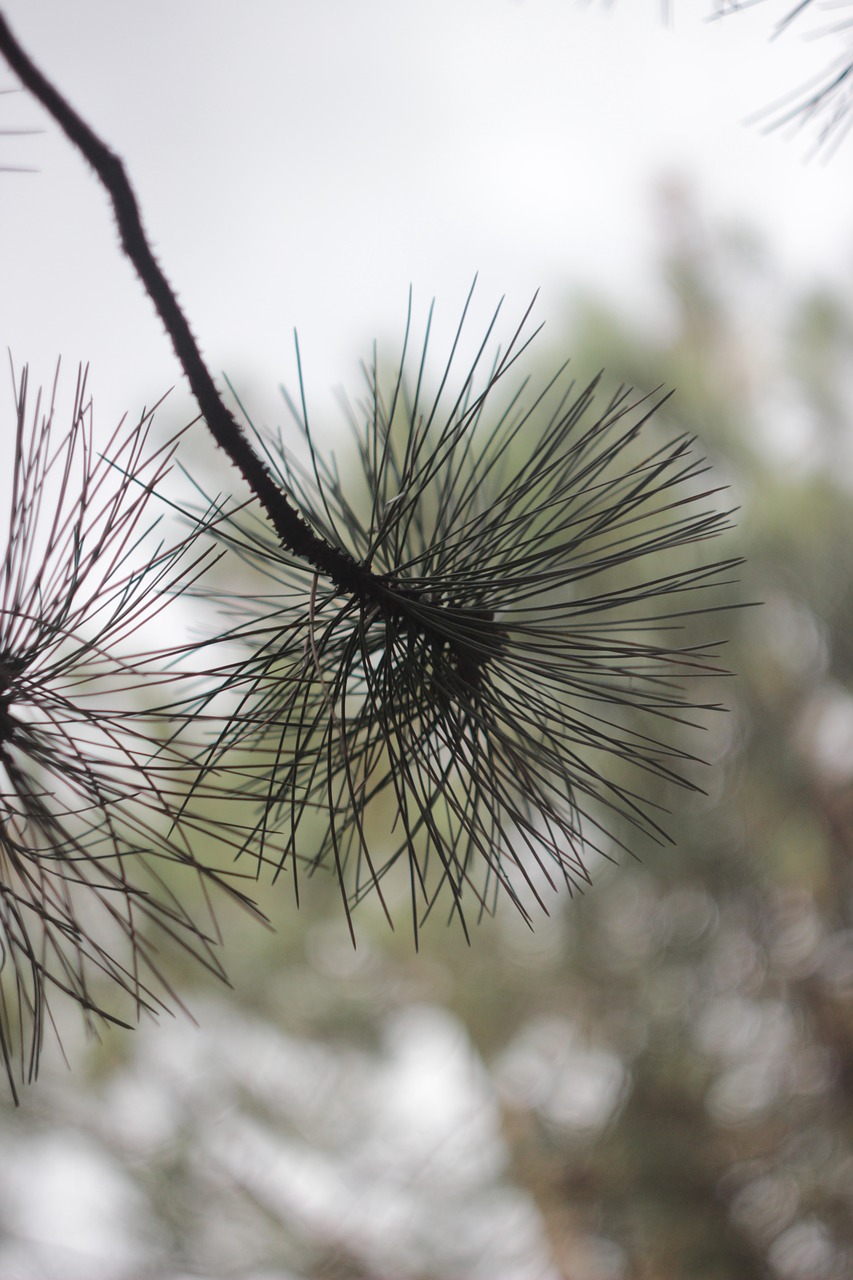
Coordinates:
x,y
656,1084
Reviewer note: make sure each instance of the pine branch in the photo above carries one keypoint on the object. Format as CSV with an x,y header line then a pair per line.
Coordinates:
x,y
295,534
92,836
488,645
824,102
292,530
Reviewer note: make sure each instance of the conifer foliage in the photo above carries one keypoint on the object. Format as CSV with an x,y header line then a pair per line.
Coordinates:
x,y
514,671
88,798
468,656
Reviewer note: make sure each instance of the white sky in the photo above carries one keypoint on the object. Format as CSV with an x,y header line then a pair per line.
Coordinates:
x,y
300,164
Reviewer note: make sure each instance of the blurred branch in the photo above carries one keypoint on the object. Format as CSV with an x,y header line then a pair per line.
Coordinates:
x,y
822,103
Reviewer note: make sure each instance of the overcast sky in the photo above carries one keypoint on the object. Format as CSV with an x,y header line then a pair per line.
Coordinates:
x,y
302,164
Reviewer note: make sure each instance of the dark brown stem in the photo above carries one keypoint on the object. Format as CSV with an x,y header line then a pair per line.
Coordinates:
x,y
295,533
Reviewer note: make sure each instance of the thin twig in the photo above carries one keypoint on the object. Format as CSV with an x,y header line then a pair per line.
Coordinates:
x,y
291,528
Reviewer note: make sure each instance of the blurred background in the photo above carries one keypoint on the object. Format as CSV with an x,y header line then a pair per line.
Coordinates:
x,y
657,1082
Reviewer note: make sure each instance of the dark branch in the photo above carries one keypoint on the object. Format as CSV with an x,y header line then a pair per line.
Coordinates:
x,y
295,534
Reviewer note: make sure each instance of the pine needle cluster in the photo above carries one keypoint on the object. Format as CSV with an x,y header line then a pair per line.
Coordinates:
x,y
92,865
489,702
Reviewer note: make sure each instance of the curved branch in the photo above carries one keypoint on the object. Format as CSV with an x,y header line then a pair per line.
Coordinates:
x,y
295,534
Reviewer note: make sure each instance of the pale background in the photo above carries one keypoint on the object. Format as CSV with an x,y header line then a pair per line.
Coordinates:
x,y
302,164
